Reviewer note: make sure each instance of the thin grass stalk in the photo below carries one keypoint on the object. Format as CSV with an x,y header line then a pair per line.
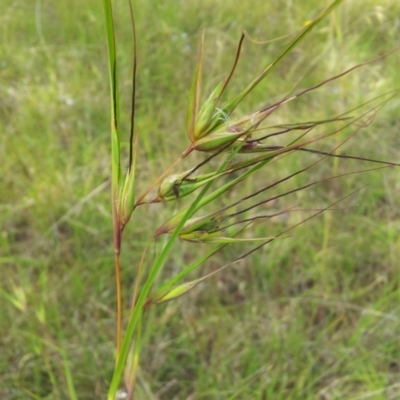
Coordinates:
x,y
115,162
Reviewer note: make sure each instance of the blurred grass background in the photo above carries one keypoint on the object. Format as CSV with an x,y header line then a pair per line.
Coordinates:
x,y
315,316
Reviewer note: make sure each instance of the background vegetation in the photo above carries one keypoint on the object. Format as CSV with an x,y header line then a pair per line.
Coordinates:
x,y
315,316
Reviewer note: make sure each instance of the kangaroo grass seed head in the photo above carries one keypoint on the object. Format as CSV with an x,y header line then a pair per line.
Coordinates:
x,y
229,134
170,186
209,117
182,184
218,140
199,236
176,292
206,223
213,128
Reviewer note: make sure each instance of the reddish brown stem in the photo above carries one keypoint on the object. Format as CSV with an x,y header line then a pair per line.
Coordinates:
x,y
117,250
119,302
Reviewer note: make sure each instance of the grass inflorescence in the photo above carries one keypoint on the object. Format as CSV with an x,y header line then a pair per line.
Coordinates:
x,y
228,286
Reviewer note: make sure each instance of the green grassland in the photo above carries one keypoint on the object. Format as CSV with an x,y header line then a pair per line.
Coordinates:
x,y
313,316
